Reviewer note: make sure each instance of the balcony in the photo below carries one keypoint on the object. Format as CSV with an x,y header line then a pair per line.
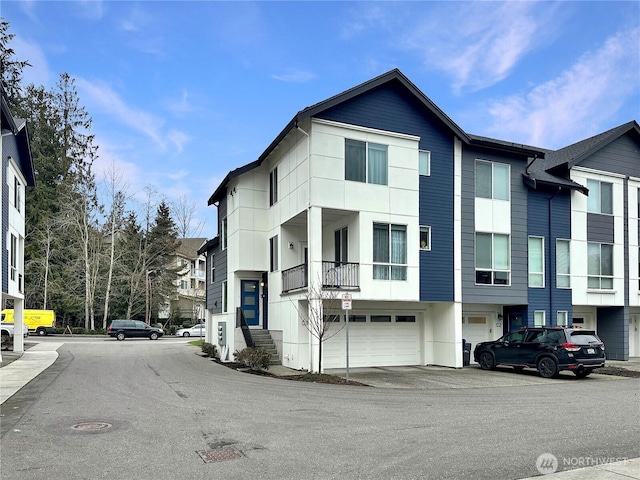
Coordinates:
x,y
335,275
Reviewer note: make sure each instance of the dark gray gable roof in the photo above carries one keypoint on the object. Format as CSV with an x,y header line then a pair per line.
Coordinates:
x,y
189,247
313,110
18,128
210,245
572,155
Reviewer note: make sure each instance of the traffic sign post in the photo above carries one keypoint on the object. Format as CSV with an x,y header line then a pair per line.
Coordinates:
x,y
346,306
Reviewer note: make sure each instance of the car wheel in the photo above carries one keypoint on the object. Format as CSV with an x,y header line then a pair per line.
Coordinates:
x,y
585,372
547,367
120,336
42,332
153,335
487,362
186,334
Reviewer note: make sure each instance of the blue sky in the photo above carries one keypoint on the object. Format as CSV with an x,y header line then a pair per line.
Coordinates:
x,y
183,92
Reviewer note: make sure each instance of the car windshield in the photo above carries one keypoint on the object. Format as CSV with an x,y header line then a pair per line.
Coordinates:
x,y
584,337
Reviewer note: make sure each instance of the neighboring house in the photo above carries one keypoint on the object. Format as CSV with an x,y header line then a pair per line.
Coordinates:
x,y
188,304
438,235
17,174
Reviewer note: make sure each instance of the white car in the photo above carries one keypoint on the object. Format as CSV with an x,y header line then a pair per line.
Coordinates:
x,y
195,331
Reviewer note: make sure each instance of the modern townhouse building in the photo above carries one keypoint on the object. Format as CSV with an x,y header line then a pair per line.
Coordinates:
x,y
437,235
17,174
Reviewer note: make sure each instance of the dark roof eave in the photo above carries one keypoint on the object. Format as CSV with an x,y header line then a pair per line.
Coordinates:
x,y
536,184
210,245
507,146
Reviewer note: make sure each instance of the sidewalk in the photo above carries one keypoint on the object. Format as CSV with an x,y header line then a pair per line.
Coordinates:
x,y
21,370
626,469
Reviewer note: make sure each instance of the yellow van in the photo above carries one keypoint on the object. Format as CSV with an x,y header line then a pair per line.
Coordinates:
x,y
40,322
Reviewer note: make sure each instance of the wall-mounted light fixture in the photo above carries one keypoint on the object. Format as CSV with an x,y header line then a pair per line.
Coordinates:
x,y
290,245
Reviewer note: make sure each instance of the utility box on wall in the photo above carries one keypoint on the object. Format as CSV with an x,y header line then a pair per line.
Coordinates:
x,y
222,333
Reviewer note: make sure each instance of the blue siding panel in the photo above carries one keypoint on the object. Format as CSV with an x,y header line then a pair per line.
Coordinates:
x,y
392,108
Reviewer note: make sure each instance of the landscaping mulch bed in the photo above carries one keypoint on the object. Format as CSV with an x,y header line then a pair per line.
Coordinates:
x,y
618,371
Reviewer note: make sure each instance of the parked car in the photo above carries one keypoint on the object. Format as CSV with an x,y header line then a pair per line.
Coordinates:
x,y
122,329
195,331
547,349
6,333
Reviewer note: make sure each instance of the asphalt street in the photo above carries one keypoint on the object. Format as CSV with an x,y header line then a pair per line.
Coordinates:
x,y
158,410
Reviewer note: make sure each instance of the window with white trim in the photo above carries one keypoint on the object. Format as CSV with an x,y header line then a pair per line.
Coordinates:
x,y
425,237
273,186
341,244
539,318
17,193
389,251
493,259
223,233
424,162
212,262
273,253
563,263
536,262
562,318
492,180
365,162
599,266
224,297
14,257
600,199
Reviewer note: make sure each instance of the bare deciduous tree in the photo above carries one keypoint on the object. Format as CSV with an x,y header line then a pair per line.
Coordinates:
x,y
183,213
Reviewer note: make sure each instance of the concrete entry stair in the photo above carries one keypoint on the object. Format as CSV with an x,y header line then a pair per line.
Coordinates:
x,y
262,339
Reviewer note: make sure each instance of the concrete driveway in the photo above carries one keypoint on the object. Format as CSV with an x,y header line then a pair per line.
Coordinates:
x,y
441,378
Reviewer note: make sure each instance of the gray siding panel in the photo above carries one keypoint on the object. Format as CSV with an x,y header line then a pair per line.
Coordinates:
x,y
516,293
600,228
620,156
613,330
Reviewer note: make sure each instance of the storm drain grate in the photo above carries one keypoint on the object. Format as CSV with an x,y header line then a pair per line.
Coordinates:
x,y
91,426
221,454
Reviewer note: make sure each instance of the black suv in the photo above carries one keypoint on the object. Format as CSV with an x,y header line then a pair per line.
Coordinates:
x,y
122,329
548,349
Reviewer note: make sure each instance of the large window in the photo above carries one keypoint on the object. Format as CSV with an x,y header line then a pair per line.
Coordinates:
x,y
492,180
600,199
600,266
223,233
563,264
273,254
424,164
389,251
273,186
492,259
365,162
536,262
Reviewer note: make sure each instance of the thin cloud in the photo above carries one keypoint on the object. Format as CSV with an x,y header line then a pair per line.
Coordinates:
x,y
178,139
38,73
109,101
295,76
588,94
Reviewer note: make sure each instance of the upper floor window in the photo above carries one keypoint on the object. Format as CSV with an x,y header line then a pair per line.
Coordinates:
x,y
273,253
492,180
341,241
223,233
365,162
212,262
539,318
273,186
600,199
17,193
600,266
563,264
425,237
14,256
424,164
493,259
389,251
536,262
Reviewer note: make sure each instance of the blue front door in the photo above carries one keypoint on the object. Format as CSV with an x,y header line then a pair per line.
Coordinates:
x,y
249,301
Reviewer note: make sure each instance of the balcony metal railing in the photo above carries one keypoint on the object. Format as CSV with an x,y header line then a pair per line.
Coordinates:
x,y
335,275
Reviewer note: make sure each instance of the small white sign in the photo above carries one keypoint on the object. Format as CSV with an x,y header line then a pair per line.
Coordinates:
x,y
346,301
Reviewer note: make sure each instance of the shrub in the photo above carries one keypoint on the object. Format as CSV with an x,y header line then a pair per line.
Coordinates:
x,y
210,350
254,358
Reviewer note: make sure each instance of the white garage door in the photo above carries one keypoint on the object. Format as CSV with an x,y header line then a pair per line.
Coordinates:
x,y
375,343
475,329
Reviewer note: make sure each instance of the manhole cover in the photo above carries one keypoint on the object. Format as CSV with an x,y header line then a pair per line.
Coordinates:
x,y
91,426
219,454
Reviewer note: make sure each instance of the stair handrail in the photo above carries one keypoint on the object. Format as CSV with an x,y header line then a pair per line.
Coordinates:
x,y
242,323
